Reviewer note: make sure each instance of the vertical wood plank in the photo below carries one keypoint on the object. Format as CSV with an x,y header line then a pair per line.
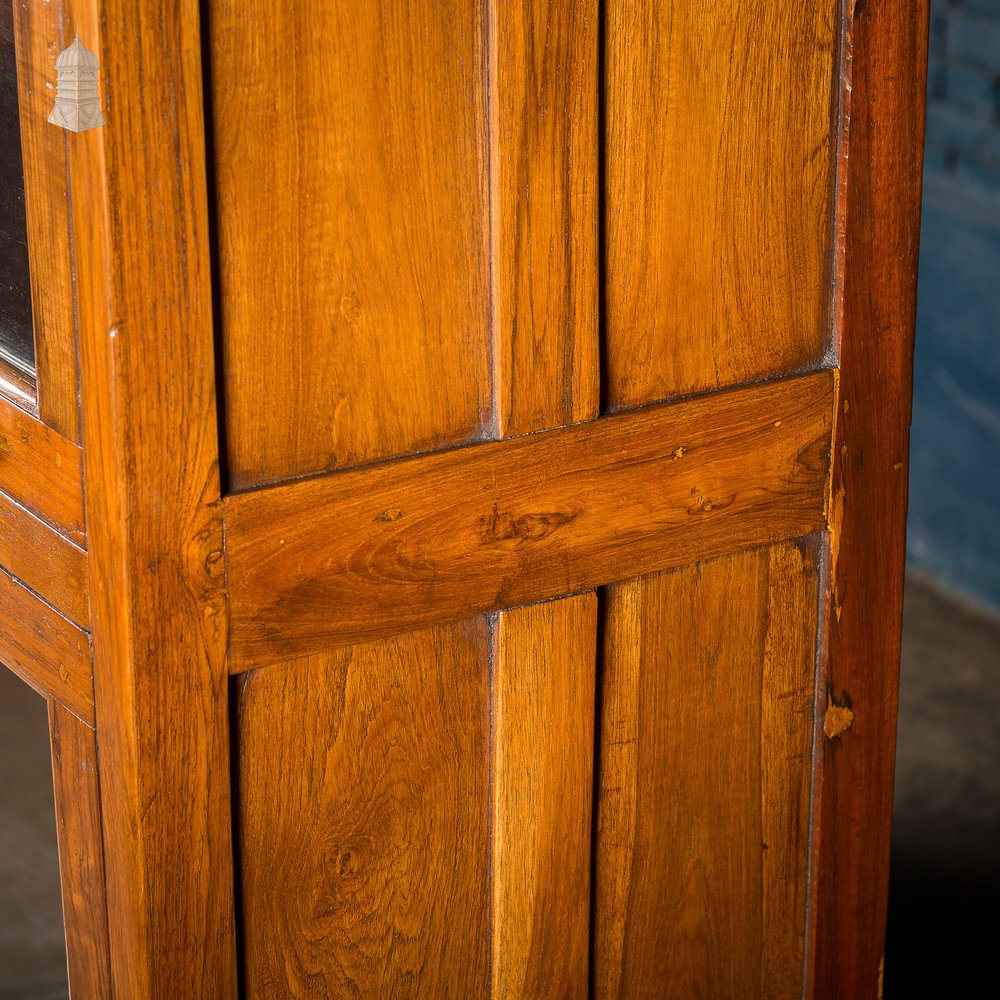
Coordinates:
x,y
544,211
81,854
719,193
351,172
704,809
364,781
543,750
868,515
40,36
149,421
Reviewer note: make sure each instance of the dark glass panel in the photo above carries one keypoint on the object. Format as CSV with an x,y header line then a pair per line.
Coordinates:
x,y
32,943
16,335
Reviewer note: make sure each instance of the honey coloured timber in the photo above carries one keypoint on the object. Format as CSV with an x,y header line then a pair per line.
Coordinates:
x,y
454,506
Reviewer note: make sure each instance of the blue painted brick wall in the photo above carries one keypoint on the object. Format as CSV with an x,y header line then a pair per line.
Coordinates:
x,y
954,522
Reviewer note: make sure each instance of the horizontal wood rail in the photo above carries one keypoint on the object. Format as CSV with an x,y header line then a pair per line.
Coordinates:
x,y
48,562
381,550
45,650
41,470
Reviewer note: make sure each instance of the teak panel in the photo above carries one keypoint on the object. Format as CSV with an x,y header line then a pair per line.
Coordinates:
x,y
45,650
364,809
81,855
544,212
705,773
42,32
50,564
719,160
376,551
869,488
351,155
41,470
149,423
543,758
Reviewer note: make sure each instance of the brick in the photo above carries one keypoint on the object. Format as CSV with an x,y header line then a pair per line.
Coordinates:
x,y
937,44
950,127
975,38
972,87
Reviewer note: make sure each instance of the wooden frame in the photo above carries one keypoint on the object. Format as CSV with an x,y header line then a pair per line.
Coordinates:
x,y
125,617
53,394
887,67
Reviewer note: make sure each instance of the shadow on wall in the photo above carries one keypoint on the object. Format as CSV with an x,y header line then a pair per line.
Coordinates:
x,y
944,902
954,527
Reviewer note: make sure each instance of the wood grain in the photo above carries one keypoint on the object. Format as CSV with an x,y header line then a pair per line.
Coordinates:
x,y
140,225
869,489
377,551
364,782
543,204
51,565
719,193
543,758
42,33
45,650
705,771
41,470
81,855
355,281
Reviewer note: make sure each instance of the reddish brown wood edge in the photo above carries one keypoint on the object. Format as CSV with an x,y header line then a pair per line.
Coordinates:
x,y
357,555
868,515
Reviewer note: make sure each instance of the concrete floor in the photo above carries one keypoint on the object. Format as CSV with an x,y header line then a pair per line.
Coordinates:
x,y
945,895
944,899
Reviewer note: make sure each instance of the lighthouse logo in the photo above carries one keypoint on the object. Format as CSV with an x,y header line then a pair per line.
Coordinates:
x,y
78,105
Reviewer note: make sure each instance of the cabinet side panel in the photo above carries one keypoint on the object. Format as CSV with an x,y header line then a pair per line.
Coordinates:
x,y
719,193
544,205
364,819
350,145
543,756
705,776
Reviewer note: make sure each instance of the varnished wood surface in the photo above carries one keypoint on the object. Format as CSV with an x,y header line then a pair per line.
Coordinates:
x,y
377,551
708,701
47,562
543,760
869,491
352,182
41,470
544,213
43,30
719,193
140,225
45,650
364,780
81,854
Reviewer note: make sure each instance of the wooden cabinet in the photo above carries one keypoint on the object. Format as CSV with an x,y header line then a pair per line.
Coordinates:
x,y
455,509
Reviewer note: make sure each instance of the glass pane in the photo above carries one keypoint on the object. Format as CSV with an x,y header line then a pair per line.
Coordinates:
x,y
32,943
16,336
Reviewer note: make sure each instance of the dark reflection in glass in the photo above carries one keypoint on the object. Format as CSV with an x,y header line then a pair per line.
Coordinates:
x,y
32,942
17,345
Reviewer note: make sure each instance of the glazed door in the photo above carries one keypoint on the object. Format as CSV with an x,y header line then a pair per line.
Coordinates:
x,y
564,385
